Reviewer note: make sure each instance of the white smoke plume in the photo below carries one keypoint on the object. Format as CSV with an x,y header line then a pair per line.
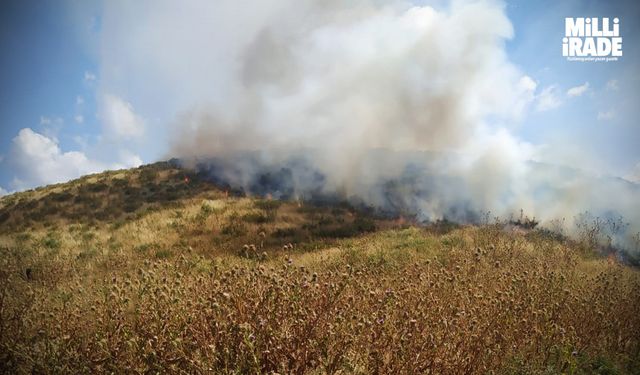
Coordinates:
x,y
346,79
366,92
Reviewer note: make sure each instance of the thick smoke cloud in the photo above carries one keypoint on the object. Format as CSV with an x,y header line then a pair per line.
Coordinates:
x,y
400,106
347,79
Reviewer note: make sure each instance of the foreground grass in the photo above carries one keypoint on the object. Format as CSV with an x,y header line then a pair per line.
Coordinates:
x,y
152,270
474,300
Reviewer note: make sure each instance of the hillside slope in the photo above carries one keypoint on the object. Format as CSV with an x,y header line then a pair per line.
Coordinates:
x,y
155,269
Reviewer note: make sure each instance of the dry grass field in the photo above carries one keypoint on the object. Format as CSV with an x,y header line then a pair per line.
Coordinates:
x,y
154,270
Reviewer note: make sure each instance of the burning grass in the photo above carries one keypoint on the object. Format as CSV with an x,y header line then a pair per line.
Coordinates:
x,y
204,286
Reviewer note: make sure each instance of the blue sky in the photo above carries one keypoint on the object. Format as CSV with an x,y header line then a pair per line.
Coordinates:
x,y
615,141
47,78
66,90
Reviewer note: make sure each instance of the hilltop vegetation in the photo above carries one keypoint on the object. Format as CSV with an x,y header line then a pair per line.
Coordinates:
x,y
105,197
157,270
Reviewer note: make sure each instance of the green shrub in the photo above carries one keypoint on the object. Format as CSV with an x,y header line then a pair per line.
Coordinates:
x,y
163,253
148,175
51,241
359,226
98,187
257,218
4,216
234,227
285,232
60,197
270,207
143,248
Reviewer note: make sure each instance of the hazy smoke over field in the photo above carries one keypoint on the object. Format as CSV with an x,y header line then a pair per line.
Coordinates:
x,y
393,104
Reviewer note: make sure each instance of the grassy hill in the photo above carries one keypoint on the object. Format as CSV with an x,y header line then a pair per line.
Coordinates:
x,y
155,269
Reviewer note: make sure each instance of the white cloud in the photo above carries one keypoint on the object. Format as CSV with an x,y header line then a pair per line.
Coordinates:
x,y
129,159
612,85
3,191
528,84
634,174
548,99
89,77
606,115
38,160
82,141
46,120
79,100
119,119
525,94
578,90
79,119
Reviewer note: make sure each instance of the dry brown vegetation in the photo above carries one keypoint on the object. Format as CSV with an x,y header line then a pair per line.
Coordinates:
x,y
167,287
